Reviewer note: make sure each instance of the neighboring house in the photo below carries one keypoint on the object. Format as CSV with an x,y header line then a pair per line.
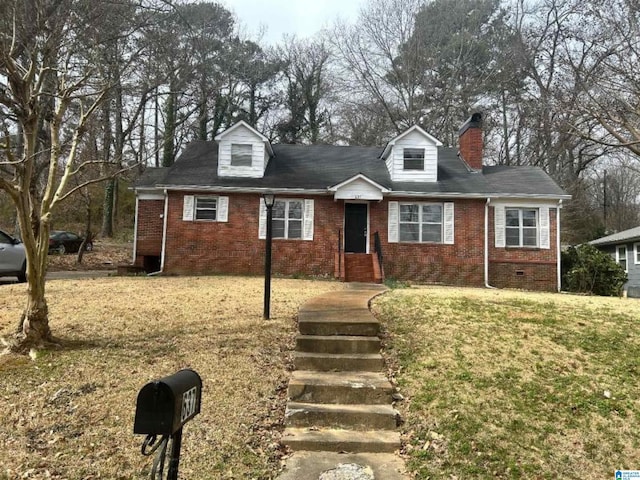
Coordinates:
x,y
436,215
624,247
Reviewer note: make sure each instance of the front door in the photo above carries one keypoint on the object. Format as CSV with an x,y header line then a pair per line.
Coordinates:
x,y
355,227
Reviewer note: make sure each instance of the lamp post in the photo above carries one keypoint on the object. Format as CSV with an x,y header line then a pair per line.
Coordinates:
x,y
269,201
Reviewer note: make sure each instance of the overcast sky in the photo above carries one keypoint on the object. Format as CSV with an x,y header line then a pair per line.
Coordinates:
x,y
300,17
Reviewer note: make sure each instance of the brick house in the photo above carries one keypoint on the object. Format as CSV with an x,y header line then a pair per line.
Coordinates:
x,y
435,214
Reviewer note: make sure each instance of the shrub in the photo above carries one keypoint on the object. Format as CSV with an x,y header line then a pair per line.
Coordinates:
x,y
586,269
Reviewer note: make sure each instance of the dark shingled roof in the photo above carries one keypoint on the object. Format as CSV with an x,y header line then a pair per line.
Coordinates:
x,y
317,167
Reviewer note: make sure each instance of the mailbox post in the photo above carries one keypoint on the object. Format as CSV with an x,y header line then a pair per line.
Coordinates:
x,y
162,408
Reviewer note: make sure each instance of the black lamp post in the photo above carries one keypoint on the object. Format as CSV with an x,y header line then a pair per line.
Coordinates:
x,y
269,201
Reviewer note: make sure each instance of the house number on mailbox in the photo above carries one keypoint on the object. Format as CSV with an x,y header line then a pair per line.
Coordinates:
x,y
189,399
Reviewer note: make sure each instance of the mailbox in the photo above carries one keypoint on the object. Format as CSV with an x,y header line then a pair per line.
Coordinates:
x,y
165,405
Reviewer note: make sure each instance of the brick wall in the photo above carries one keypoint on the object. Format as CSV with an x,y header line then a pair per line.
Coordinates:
x,y
526,268
233,247
471,141
457,264
149,234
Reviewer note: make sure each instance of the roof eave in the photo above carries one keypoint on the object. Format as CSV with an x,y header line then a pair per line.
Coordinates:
x,y
353,178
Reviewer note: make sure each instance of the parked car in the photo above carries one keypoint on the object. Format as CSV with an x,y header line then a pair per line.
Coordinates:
x,y
13,260
66,242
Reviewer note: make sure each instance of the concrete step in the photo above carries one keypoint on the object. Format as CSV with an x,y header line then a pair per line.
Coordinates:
x,y
337,344
357,417
340,323
371,362
337,440
340,387
311,465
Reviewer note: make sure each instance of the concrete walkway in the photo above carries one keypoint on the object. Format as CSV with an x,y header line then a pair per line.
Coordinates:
x,y
340,421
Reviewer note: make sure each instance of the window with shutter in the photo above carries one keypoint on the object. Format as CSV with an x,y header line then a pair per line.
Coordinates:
x,y
291,219
207,208
421,222
520,227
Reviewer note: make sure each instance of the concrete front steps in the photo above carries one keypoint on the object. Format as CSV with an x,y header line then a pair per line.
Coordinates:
x,y
339,397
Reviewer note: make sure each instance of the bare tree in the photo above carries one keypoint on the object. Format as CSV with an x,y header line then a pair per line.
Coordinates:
x,y
371,66
49,91
307,85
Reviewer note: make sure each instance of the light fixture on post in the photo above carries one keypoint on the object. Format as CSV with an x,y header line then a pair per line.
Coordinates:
x,y
269,201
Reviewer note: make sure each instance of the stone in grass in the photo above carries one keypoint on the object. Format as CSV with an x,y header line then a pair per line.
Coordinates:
x,y
348,471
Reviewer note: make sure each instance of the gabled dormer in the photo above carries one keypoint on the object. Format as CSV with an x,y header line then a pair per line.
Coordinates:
x,y
412,156
242,152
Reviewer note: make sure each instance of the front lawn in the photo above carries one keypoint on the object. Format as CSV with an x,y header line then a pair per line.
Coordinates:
x,y
512,385
69,413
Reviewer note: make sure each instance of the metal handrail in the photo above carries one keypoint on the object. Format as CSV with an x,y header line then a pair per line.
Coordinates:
x,y
339,253
378,249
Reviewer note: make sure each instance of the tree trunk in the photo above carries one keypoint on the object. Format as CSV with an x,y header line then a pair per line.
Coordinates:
x,y
168,144
107,213
87,232
33,327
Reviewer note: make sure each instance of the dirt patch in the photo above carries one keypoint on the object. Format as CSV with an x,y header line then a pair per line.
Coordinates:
x,y
104,256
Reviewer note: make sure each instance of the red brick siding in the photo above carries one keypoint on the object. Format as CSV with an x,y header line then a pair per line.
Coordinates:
x,y
457,264
537,266
149,233
233,247
471,145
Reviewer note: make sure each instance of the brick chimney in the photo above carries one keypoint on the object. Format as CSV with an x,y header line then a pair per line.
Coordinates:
x,y
471,141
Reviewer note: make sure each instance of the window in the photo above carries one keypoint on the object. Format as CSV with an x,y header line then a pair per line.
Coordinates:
x,y
287,219
421,222
414,158
636,255
621,256
521,227
241,154
206,208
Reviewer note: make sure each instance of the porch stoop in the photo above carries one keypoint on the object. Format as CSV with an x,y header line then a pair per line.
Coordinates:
x,y
361,267
339,399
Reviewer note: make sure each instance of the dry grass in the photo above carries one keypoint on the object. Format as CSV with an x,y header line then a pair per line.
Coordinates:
x,y
69,414
508,385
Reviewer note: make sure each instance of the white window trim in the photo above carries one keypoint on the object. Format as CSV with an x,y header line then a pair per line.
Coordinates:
x,y
250,155
420,223
404,159
636,253
196,209
521,227
626,256
307,219
189,208
286,218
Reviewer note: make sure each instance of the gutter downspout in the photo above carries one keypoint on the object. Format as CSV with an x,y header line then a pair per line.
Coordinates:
x,y
164,230
559,255
486,244
135,233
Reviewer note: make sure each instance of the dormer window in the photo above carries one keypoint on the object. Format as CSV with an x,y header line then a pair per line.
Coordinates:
x,y
413,158
241,154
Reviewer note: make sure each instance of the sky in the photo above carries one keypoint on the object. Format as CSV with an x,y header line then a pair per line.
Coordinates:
x,y
300,17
